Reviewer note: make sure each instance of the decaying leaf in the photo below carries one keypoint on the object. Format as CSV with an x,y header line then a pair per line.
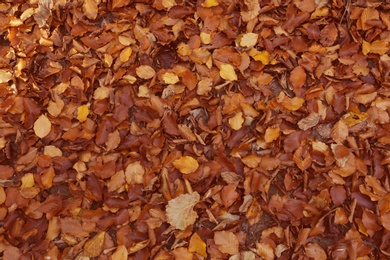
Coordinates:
x,y
186,164
180,213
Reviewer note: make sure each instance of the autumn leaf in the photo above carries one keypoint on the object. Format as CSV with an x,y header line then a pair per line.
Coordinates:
x,y
94,246
236,121
180,213
170,78
145,72
298,77
249,40
227,72
120,253
309,121
271,134
197,245
205,38
186,164
292,104
262,56
82,113
210,3
227,242
90,9
168,4
380,47
42,126
125,54
5,76
339,132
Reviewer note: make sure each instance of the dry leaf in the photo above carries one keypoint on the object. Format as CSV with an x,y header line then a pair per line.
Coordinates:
x,y
197,245
27,181
186,164
339,132
298,77
271,134
94,246
52,151
262,56
125,54
168,4
180,213
5,76
249,40
82,113
170,78
120,253
236,121
380,47
227,242
265,251
227,72
315,251
210,3
90,9
309,121
145,72
113,140
135,173
42,126
292,104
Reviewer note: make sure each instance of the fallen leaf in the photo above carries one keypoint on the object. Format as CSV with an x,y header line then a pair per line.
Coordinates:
x,y
90,9
339,132
94,246
170,78
227,72
227,242
197,245
210,3
298,77
271,134
186,164
82,113
309,121
315,251
5,76
120,253
236,121
125,54
42,126
249,40
145,72
180,213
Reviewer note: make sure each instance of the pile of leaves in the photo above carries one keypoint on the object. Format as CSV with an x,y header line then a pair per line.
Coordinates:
x,y
183,129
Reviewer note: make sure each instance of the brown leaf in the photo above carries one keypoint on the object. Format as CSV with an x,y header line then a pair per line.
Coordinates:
x,y
339,132
180,213
94,246
298,77
227,242
309,121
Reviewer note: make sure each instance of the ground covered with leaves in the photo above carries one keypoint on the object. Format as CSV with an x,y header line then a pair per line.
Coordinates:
x,y
183,129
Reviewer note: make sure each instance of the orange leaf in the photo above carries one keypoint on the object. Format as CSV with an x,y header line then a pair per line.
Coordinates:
x,y
120,253
298,77
90,9
271,134
186,164
197,245
236,121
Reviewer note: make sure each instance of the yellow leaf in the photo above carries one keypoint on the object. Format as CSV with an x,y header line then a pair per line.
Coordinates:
x,y
120,253
42,126
236,121
249,40
170,78
197,245
94,246
125,54
262,56
205,38
186,164
339,132
352,118
90,9
271,134
180,213
379,47
227,72
168,3
27,181
145,72
210,3
82,113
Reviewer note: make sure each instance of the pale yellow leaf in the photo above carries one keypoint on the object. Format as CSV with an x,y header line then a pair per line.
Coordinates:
x,y
170,78
82,113
27,181
5,76
90,9
249,40
42,126
168,4
145,72
210,3
236,121
227,72
143,91
180,213
205,38
186,164
52,151
120,253
271,134
125,54
227,242
102,93
94,246
197,245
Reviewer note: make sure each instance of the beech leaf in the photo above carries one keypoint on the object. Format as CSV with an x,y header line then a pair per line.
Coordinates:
x,y
180,213
227,72
186,164
227,242
94,246
42,126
